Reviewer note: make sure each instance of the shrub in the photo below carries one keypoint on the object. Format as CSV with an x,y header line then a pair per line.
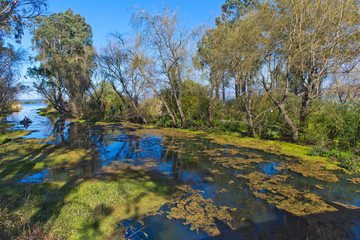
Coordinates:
x,y
347,160
334,125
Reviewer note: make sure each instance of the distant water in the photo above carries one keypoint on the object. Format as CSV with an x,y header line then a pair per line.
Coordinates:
x,y
41,127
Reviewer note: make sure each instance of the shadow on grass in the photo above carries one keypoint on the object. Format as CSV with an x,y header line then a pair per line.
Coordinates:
x,y
81,208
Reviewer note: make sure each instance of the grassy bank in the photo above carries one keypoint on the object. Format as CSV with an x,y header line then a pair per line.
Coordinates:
x,y
10,135
86,208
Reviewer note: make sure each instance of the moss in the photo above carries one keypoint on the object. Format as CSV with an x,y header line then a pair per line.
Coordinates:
x,y
315,169
199,212
323,167
274,190
93,209
355,181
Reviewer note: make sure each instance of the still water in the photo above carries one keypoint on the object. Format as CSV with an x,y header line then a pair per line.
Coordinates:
x,y
211,171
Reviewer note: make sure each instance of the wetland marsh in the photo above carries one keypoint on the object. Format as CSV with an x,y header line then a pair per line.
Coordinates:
x,y
125,181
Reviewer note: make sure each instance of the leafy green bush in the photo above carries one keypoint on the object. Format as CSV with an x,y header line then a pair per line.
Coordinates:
x,y
334,125
347,160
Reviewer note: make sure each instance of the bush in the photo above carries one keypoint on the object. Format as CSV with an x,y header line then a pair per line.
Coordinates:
x,y
346,160
195,103
334,125
151,108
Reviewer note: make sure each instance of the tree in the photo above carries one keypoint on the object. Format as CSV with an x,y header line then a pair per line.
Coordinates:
x,y
233,49
119,70
164,53
9,86
212,57
14,15
307,42
67,57
233,9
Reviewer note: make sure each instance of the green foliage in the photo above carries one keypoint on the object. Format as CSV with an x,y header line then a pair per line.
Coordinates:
x,y
67,57
166,121
273,132
100,108
235,8
14,15
232,126
346,160
334,125
195,103
10,87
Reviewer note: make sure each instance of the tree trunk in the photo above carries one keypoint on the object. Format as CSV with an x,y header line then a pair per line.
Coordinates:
x,y
210,114
304,111
295,133
223,87
281,106
159,96
131,104
237,86
252,131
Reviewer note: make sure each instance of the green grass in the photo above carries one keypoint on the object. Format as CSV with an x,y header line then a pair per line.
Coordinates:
x,y
9,136
89,208
51,112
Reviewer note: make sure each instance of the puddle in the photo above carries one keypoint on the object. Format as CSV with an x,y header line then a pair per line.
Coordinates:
x,y
36,177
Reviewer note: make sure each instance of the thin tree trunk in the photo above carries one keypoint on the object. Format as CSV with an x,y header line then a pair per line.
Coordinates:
x,y
223,87
295,133
159,96
211,102
281,106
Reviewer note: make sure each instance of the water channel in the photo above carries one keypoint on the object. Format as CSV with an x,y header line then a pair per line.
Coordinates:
x,y
199,163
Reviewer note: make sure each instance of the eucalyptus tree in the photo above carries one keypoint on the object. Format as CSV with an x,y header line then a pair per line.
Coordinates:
x,y
67,60
306,42
322,38
162,61
14,14
245,61
117,67
212,53
233,48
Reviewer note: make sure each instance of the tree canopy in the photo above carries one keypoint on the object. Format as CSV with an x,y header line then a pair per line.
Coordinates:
x,y
67,57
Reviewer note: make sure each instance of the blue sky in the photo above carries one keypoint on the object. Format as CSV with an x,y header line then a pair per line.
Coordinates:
x,y
111,16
